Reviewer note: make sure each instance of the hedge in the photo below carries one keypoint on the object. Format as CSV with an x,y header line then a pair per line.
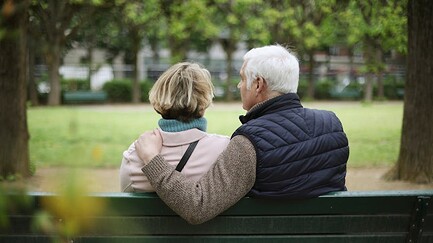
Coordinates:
x,y
120,90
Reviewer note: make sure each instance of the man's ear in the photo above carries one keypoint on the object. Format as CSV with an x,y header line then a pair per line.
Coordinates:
x,y
261,85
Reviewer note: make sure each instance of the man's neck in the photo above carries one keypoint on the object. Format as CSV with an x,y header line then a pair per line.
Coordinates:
x,y
268,96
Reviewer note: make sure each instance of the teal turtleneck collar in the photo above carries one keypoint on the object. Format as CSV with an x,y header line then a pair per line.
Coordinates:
x,y
172,125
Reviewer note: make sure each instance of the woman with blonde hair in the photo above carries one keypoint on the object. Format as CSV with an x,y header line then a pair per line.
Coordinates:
x,y
180,95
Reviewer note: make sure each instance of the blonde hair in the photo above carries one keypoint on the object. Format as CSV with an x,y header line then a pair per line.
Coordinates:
x,y
182,92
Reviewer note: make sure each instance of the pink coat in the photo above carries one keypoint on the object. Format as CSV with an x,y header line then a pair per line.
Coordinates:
x,y
174,145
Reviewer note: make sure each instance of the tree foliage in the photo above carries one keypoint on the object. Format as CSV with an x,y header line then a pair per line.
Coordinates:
x,y
379,26
238,21
187,20
122,26
307,26
137,18
56,22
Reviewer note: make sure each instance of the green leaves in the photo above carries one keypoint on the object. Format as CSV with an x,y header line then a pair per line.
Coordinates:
x,y
383,21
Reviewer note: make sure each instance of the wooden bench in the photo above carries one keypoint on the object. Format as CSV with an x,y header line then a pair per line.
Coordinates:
x,y
81,97
387,216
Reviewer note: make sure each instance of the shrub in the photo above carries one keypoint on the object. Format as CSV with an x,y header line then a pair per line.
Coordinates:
x,y
118,90
220,90
75,84
323,89
393,88
145,88
302,88
353,91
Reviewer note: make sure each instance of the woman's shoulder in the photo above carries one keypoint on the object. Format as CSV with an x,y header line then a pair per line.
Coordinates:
x,y
130,153
216,138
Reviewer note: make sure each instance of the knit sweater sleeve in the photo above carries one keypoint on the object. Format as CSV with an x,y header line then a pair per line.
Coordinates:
x,y
231,178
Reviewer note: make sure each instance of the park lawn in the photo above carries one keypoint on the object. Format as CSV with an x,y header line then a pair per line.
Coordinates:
x,y
373,130
96,136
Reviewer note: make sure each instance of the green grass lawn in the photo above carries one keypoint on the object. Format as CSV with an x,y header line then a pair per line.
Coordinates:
x,y
96,136
373,130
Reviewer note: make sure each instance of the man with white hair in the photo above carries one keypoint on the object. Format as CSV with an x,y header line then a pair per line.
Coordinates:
x,y
281,150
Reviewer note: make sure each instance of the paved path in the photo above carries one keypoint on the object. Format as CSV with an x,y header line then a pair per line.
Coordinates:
x,y
107,179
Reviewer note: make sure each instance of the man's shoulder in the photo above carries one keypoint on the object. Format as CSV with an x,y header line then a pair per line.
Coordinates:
x,y
313,113
316,111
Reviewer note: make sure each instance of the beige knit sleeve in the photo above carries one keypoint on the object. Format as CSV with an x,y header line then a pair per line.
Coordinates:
x,y
231,178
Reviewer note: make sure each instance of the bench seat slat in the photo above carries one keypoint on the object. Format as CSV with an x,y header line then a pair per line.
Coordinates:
x,y
270,225
428,223
75,97
391,238
247,206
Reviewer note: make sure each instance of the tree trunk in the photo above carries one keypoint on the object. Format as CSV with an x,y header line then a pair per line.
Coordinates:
x,y
178,50
32,86
369,61
368,87
352,75
380,62
310,88
328,59
90,66
136,92
415,161
135,80
14,136
155,50
53,56
229,48
380,89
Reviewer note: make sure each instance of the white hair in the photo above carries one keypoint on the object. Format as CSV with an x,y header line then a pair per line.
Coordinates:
x,y
276,64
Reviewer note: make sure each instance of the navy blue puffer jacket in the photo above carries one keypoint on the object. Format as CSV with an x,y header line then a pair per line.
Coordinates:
x,y
301,153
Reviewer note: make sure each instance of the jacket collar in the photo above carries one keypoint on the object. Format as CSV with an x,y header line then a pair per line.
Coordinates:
x,y
281,102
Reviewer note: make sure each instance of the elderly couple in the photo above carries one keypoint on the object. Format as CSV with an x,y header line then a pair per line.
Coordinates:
x,y
281,150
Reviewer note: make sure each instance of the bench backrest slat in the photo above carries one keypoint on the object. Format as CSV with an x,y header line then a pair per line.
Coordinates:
x,y
341,217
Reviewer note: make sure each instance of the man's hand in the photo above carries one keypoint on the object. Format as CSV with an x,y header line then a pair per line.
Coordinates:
x,y
148,145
